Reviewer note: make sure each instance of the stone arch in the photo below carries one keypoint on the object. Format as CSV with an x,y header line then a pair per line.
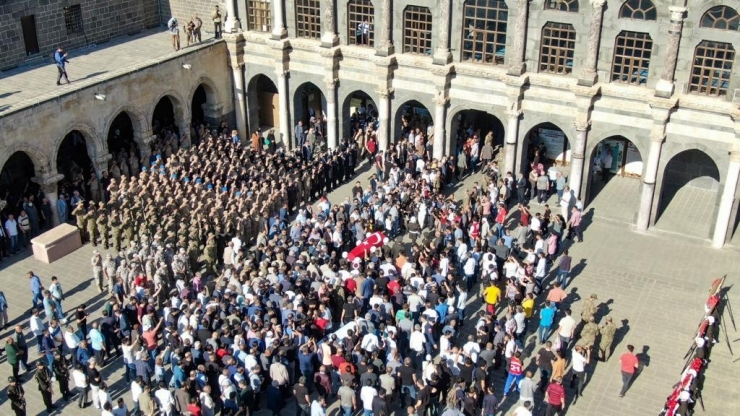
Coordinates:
x,y
689,192
304,96
347,108
411,105
263,109
529,125
138,121
95,143
491,111
204,100
180,107
41,162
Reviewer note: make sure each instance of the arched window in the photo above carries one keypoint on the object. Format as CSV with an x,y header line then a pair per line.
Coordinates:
x,y
638,10
562,5
631,57
259,15
720,17
556,48
710,72
417,30
308,19
360,22
484,31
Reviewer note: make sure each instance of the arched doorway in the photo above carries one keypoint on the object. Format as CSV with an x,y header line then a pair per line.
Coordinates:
x,y
163,118
309,106
358,112
614,190
15,180
121,136
73,161
412,115
264,106
688,195
199,100
546,142
466,123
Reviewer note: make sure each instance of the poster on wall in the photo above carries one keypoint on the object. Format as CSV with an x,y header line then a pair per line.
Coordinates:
x,y
633,161
555,142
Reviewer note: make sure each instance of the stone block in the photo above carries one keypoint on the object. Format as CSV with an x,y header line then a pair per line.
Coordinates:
x,y
56,243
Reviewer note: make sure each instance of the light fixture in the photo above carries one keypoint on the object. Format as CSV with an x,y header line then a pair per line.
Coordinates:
x,y
187,66
100,97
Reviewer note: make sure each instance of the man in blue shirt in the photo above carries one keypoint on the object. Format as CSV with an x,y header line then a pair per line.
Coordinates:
x,y
547,316
36,289
60,59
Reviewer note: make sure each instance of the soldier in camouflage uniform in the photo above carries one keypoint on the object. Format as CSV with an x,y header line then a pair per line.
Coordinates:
x,y
589,309
81,216
102,224
607,332
114,221
97,267
210,252
92,225
588,335
109,271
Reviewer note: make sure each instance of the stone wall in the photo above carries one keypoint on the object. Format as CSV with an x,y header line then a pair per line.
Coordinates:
x,y
101,21
184,9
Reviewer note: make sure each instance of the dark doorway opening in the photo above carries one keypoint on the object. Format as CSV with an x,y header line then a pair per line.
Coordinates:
x,y
73,160
15,181
199,99
164,117
30,39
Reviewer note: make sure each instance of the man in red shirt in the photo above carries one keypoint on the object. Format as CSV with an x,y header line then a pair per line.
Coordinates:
x,y
555,397
629,363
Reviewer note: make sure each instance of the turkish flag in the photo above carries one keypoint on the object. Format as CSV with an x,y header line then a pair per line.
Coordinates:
x,y
376,239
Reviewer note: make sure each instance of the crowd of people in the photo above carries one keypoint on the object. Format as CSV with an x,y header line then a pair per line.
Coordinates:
x,y
231,291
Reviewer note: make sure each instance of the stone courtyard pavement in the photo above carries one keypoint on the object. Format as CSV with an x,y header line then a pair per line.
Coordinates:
x,y
655,285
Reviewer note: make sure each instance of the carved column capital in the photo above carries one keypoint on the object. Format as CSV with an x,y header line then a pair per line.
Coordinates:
x,y
385,93
582,125
331,83
677,13
597,4
48,183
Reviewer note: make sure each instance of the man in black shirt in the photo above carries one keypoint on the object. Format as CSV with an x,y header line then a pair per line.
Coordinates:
x,y
545,358
422,398
303,401
349,310
407,378
379,404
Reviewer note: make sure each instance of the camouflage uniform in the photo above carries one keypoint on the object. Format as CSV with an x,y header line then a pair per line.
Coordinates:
x,y
92,226
607,332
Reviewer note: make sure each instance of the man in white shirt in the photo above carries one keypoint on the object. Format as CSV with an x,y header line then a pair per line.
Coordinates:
x,y
11,230
37,327
523,410
472,348
318,407
578,361
566,328
416,343
136,390
369,342
165,399
367,394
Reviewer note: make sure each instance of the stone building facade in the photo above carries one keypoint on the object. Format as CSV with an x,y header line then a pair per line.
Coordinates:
x,y
34,28
655,79
656,75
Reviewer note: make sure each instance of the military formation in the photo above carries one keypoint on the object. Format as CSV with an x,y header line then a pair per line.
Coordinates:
x,y
197,200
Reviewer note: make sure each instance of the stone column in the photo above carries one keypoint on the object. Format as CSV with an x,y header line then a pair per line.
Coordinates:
x,y
49,184
515,59
384,116
278,24
240,107
727,200
331,113
232,24
664,87
512,134
383,44
282,87
329,38
100,163
440,135
577,155
589,76
145,146
648,182
442,55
